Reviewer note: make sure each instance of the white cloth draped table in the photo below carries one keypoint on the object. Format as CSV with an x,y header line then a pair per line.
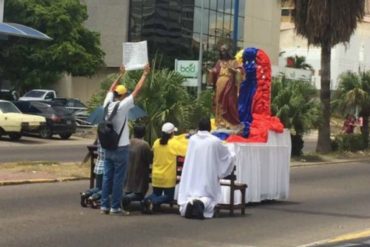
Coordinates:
x,y
264,167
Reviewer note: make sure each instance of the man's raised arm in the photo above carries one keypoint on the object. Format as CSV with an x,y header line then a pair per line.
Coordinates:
x,y
140,84
122,71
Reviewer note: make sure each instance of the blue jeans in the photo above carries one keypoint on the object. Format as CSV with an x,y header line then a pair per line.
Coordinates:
x,y
161,195
115,166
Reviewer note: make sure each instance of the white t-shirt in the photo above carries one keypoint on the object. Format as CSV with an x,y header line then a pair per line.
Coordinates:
x,y
122,114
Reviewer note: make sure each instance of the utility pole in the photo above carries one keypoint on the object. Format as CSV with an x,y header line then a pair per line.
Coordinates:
x,y
200,50
235,32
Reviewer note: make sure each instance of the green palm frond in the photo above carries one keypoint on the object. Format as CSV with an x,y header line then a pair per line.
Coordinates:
x,y
353,92
295,103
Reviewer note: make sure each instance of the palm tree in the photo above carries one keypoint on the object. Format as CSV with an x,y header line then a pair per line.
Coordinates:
x,y
326,23
296,104
353,94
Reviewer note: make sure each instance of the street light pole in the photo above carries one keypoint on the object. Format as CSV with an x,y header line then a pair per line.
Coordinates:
x,y
200,50
235,32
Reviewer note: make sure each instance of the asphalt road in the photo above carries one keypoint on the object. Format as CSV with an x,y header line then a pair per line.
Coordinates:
x,y
37,149
325,201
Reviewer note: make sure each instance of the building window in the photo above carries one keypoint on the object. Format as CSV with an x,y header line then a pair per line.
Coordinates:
x,y
172,27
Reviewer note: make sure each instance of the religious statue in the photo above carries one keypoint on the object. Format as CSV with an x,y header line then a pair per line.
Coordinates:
x,y
223,77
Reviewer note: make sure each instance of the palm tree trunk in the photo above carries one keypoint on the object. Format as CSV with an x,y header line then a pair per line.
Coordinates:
x,y
324,143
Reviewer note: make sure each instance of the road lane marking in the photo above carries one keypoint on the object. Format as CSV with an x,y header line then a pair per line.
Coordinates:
x,y
351,236
341,238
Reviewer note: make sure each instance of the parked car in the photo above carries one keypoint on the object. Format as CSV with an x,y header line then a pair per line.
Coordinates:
x,y
76,107
10,95
13,122
39,95
58,120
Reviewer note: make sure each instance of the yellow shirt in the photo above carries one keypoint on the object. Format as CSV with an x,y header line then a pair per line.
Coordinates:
x,y
164,161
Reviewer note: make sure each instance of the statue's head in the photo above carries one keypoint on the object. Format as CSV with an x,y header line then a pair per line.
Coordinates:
x,y
225,53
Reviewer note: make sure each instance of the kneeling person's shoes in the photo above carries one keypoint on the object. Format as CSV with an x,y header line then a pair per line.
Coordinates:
x,y
189,210
198,210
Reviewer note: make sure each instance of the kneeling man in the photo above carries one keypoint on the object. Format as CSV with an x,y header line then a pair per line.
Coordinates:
x,y
207,161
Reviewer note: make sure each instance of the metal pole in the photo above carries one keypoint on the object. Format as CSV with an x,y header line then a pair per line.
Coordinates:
x,y
200,51
235,32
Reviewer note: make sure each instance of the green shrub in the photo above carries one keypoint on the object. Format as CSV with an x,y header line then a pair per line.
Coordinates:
x,y
350,142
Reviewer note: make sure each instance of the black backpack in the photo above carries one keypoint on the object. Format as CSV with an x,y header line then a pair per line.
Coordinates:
x,y
109,138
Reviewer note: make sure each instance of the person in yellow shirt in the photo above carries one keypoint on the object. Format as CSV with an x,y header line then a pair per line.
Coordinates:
x,y
165,151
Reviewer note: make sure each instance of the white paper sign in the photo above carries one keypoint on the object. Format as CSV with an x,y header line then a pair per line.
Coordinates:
x,y
135,55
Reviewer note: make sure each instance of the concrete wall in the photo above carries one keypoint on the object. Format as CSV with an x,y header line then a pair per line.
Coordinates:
x,y
349,57
110,18
81,87
262,26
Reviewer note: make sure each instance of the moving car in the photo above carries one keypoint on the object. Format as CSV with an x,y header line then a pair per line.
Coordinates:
x,y
39,95
58,120
13,122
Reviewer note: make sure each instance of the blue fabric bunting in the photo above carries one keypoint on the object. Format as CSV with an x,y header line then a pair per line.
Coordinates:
x,y
247,89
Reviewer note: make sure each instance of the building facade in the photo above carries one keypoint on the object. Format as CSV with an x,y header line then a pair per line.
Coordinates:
x,y
344,57
172,28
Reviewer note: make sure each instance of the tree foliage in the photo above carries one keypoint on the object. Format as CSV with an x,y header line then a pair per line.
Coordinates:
x,y
353,96
295,103
327,20
326,23
164,99
34,63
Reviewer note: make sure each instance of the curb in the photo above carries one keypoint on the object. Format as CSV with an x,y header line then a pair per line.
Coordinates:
x,y
303,164
36,181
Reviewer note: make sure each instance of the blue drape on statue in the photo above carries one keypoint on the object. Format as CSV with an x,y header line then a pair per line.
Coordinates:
x,y
247,89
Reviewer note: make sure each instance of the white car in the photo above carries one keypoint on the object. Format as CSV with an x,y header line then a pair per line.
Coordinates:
x,y
13,122
39,95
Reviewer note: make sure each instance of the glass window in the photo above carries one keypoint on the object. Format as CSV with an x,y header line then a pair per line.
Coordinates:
x,y
220,23
205,21
240,28
285,12
35,94
229,7
212,22
211,41
213,4
197,16
228,23
206,3
196,39
241,7
49,96
240,45
7,107
221,5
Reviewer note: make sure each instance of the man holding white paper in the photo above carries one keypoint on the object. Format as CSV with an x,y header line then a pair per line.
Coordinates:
x,y
135,55
115,162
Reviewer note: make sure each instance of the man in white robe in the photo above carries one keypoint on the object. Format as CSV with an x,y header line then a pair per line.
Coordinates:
x,y
207,160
